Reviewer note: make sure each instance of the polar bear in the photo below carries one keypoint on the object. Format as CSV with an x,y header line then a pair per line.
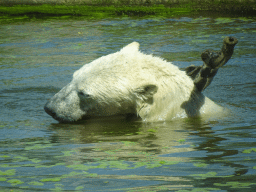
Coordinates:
x,y
130,82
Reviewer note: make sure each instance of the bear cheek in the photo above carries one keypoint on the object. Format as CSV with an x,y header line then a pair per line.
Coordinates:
x,y
87,106
72,107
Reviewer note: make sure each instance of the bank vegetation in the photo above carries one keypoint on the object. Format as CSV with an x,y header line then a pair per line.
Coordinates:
x,y
113,8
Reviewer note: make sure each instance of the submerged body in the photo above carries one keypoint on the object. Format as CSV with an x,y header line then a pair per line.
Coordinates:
x,y
130,82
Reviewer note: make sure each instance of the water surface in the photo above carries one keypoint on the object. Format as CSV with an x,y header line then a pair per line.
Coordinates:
x,y
38,57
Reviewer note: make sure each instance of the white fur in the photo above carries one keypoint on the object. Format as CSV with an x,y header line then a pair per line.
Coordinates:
x,y
129,81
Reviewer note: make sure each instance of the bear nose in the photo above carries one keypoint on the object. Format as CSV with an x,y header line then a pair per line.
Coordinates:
x,y
49,111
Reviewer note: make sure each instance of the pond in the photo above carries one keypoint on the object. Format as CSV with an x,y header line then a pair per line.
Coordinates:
x,y
39,56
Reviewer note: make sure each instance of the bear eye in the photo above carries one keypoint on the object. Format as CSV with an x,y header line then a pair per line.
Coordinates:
x,y
81,93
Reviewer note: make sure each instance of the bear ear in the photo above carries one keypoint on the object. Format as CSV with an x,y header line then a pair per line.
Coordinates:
x,y
146,92
132,47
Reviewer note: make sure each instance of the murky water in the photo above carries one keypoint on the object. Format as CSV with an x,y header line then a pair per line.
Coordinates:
x,y
38,58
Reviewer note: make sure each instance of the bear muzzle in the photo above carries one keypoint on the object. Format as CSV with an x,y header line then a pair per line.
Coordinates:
x,y
67,115
50,111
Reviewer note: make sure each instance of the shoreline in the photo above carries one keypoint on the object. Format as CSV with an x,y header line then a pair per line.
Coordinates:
x,y
115,8
124,2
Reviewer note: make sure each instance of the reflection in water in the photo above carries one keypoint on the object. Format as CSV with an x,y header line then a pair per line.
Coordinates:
x,y
118,149
194,154
156,138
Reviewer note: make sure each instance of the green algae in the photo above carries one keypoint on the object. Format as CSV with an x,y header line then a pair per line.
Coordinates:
x,y
200,164
153,164
118,165
79,188
152,130
38,146
235,184
249,150
36,183
57,189
204,176
3,179
8,172
200,190
54,179
111,8
7,165
15,181
4,156
224,20
182,141
90,11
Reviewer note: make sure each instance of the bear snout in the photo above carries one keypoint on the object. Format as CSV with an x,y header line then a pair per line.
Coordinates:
x,y
49,111
52,113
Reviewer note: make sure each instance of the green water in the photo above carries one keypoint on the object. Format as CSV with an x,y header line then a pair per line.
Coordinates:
x,y
39,56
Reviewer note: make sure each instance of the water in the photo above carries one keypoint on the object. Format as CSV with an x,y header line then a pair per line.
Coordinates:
x,y
38,57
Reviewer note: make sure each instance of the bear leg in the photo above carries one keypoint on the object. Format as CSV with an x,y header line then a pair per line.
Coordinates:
x,y
203,75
